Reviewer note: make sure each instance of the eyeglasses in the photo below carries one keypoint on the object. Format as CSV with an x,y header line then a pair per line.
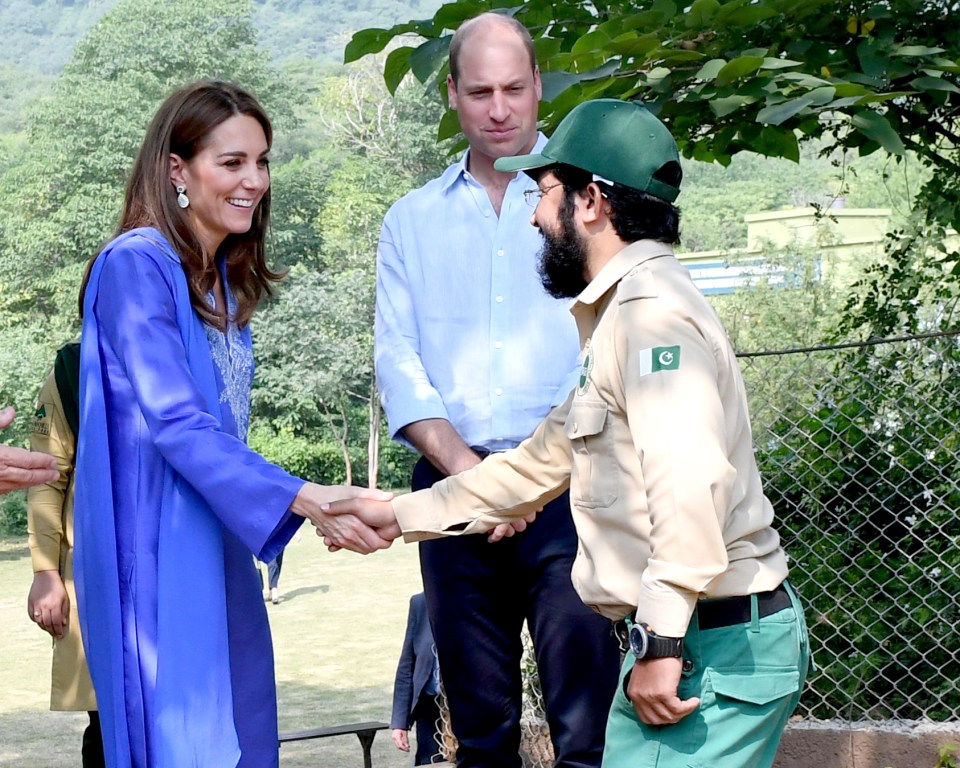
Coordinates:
x,y
532,196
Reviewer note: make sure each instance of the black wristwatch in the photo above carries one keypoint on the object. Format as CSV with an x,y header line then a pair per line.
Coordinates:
x,y
647,644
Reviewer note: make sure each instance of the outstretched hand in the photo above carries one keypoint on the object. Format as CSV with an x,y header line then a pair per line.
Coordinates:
x,y
376,513
20,468
342,531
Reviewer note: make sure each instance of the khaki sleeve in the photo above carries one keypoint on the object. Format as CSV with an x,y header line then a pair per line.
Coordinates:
x,y
502,487
676,421
45,503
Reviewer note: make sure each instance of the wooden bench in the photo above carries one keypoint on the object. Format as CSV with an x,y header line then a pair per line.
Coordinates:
x,y
364,731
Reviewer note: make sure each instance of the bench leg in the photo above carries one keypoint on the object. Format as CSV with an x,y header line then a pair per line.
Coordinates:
x,y
366,741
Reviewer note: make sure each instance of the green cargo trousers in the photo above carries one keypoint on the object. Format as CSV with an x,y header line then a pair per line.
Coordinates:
x,y
748,678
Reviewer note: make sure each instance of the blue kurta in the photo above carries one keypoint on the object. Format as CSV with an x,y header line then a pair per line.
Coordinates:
x,y
170,505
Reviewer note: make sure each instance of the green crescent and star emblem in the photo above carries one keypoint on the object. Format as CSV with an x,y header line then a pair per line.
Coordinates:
x,y
585,369
41,411
659,359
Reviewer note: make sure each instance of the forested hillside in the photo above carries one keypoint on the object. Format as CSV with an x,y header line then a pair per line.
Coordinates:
x,y
40,34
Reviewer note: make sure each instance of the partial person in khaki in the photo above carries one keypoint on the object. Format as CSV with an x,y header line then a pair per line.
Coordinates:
x,y
677,545
52,601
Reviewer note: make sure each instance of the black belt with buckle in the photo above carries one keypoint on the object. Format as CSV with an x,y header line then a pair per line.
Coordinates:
x,y
722,612
727,611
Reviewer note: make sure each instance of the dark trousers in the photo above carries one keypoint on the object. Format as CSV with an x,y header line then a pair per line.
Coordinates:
x,y
91,751
426,716
273,570
478,595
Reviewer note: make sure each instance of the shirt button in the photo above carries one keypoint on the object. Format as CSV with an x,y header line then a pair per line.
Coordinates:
x,y
498,344
500,252
575,427
499,299
498,391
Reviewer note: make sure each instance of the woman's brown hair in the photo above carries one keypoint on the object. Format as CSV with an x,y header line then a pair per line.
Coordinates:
x,y
182,126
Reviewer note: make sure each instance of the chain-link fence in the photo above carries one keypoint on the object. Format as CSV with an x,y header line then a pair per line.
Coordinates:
x,y
858,448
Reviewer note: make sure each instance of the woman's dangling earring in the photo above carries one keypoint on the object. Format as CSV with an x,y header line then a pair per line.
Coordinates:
x,y
182,200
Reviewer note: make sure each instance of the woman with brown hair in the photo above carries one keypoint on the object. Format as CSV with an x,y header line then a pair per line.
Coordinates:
x,y
170,501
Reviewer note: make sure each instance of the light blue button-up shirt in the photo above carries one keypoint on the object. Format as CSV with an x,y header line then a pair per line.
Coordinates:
x,y
464,330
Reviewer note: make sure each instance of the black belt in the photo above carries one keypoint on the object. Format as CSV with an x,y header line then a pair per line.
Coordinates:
x,y
726,611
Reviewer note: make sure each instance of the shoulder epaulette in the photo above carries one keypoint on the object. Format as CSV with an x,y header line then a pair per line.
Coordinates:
x,y
638,283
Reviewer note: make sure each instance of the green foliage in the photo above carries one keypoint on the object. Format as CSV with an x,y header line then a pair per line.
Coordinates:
x,y
914,288
946,756
300,28
39,34
789,303
396,464
304,457
18,89
13,514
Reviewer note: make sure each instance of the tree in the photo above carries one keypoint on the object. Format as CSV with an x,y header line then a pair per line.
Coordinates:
x,y
762,76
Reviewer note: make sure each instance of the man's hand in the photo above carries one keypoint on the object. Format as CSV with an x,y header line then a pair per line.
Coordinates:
x,y
48,603
506,530
652,689
343,531
401,739
21,469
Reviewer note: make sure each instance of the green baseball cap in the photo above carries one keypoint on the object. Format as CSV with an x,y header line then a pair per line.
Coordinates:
x,y
620,141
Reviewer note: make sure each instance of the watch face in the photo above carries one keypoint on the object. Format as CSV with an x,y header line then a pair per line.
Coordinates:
x,y
639,641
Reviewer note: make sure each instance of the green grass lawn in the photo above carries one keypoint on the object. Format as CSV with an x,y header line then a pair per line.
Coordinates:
x,y
337,635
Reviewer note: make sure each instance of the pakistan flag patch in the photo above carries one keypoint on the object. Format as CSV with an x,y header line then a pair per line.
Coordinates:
x,y
659,359
41,412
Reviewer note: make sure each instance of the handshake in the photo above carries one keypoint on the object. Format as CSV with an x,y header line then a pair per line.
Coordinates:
x,y
363,520
348,517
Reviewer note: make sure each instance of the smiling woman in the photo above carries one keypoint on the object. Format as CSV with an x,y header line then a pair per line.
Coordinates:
x,y
171,504
225,180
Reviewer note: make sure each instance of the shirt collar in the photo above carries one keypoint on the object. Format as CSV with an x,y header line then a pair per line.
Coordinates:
x,y
614,270
458,171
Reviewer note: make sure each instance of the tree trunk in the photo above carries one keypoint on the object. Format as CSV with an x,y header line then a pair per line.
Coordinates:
x,y
341,436
373,438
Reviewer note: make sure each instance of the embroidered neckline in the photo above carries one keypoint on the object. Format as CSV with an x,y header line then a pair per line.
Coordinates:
x,y
234,360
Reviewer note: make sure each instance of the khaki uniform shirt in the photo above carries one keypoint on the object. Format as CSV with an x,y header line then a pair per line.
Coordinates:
x,y
656,447
50,536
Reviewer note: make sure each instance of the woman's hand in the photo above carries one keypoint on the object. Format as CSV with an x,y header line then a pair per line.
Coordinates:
x,y
48,603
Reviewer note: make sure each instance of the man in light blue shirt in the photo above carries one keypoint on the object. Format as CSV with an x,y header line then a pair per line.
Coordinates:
x,y
471,354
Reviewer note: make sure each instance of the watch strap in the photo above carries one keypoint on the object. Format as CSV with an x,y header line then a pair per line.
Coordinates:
x,y
663,647
657,646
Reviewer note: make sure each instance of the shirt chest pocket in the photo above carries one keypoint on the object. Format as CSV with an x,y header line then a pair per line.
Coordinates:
x,y
595,478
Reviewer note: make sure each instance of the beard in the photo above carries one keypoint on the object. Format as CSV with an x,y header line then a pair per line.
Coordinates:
x,y
563,257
